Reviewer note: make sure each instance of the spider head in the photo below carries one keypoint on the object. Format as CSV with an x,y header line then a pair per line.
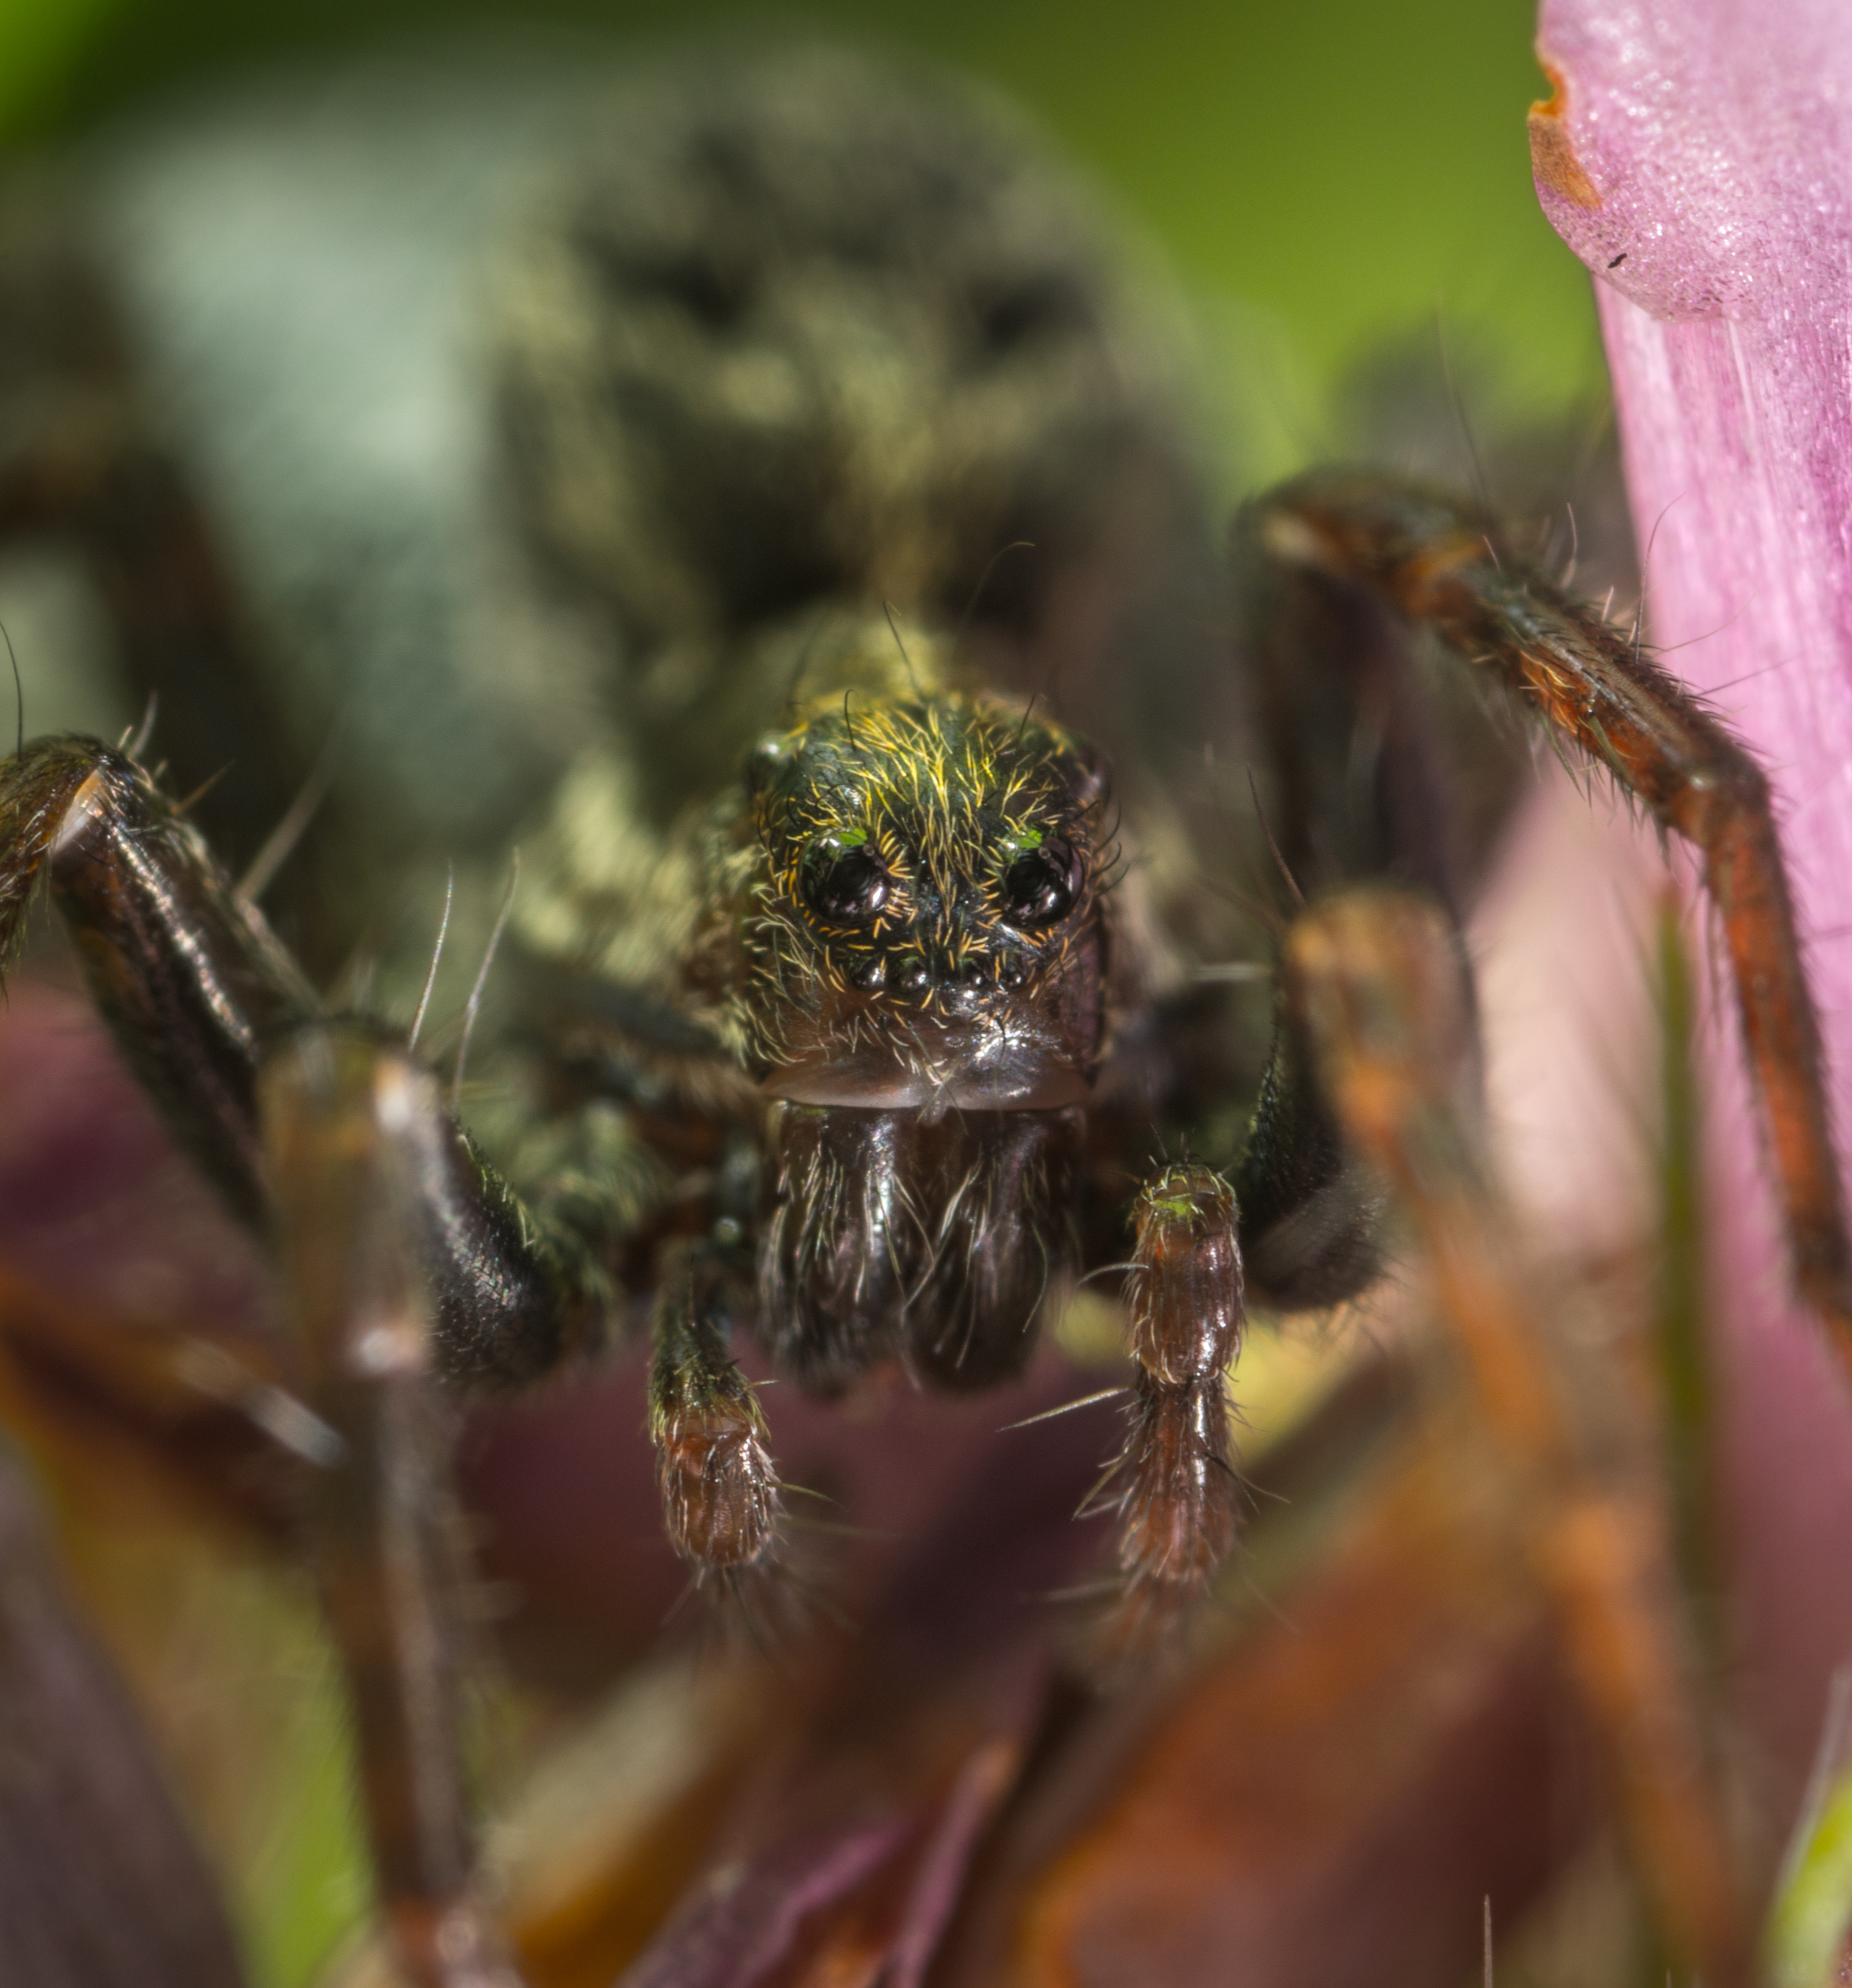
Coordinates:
x,y
927,929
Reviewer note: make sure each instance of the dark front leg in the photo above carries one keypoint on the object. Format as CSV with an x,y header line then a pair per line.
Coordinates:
x,y
189,978
1310,1219
198,993
405,1261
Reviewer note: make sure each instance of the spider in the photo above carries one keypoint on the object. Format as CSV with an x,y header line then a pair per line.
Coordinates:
x,y
846,999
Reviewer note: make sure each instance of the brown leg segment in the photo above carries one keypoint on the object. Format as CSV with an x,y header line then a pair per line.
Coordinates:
x,y
719,1487
405,1260
1176,1487
1439,563
1377,977
197,990
338,1112
189,978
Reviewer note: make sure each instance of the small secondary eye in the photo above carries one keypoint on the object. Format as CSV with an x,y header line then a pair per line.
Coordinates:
x,y
1040,887
847,886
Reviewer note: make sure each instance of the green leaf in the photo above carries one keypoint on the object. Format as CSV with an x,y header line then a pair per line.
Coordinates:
x,y
39,41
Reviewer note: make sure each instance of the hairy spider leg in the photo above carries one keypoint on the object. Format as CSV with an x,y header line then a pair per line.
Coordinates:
x,y
1378,977
199,993
719,1489
406,1257
1441,565
346,1121
1177,1498
190,981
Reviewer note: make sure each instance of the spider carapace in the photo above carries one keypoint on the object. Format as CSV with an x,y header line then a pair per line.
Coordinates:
x,y
849,1001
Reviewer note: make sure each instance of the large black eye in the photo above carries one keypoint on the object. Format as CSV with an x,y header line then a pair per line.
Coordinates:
x,y
1040,887
846,886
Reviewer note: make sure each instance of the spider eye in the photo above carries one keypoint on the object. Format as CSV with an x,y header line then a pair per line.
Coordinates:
x,y
1040,887
846,886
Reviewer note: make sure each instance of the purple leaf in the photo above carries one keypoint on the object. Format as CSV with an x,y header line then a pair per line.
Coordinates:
x,y
99,1885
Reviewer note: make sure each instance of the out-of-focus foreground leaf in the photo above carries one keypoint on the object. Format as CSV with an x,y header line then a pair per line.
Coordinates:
x,y
100,1887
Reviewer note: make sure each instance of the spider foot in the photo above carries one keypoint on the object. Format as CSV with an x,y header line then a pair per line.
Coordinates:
x,y
713,1467
1176,1486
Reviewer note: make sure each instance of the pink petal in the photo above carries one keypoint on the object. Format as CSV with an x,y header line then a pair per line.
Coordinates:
x,y
1698,158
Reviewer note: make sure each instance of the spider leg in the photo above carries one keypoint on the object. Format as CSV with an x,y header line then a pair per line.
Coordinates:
x,y
1378,979
341,1115
405,1260
1438,563
719,1488
198,993
1176,1484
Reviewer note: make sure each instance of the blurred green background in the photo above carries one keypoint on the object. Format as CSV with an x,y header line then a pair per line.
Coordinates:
x,y
1322,175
